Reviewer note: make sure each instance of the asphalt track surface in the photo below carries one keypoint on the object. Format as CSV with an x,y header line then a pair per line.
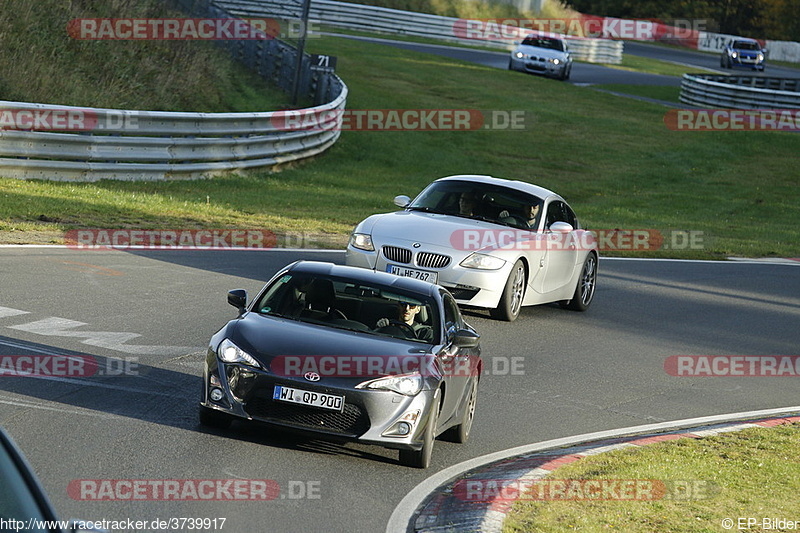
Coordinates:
x,y
552,374
591,74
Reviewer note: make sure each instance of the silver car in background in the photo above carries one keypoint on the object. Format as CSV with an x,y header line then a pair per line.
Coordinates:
x,y
546,55
493,243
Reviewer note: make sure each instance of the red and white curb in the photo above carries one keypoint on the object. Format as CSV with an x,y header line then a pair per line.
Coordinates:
x,y
433,506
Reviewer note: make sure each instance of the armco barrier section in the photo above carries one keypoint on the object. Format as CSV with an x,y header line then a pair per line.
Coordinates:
x,y
156,145
740,92
397,22
153,145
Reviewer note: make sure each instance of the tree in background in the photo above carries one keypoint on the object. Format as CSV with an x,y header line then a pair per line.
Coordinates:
x,y
766,19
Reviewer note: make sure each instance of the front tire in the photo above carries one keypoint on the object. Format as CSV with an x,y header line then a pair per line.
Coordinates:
x,y
460,433
514,291
584,290
422,458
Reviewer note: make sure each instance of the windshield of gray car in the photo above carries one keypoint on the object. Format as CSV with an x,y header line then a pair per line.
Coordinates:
x,y
351,305
544,42
481,201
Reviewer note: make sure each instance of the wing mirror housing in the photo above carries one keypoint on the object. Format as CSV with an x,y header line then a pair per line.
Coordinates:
x,y
561,227
402,201
238,299
466,339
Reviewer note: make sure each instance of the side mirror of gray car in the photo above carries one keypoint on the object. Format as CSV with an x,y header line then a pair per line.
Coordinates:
x,y
402,200
238,299
466,339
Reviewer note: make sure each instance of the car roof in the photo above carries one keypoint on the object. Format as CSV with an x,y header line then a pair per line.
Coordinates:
x,y
364,275
744,40
523,186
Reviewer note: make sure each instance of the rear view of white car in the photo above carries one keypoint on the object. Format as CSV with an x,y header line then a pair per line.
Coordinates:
x,y
493,243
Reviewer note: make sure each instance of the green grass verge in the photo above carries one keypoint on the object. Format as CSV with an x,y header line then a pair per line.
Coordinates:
x,y
612,158
42,63
754,473
654,66
663,93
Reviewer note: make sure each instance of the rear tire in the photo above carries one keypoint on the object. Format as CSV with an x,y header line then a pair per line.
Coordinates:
x,y
513,293
584,290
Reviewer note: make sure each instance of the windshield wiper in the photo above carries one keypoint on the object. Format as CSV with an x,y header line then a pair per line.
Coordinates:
x,y
424,209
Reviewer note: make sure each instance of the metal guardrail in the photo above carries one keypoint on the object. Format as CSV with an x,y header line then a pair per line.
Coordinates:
x,y
397,22
151,145
155,145
740,92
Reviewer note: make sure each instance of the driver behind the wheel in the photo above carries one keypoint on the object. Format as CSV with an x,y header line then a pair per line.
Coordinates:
x,y
406,313
529,214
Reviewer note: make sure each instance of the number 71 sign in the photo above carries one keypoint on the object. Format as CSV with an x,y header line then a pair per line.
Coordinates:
x,y
323,62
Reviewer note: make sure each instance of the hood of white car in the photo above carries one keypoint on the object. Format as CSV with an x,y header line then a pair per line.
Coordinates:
x,y
429,229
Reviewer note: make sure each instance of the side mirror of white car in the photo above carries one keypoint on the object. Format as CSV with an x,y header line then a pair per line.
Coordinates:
x,y
561,227
402,200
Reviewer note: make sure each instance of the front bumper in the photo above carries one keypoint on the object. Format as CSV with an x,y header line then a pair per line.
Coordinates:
x,y
368,416
538,67
469,286
747,62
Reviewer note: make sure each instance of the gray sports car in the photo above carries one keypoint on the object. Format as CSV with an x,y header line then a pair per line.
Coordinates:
x,y
343,353
493,243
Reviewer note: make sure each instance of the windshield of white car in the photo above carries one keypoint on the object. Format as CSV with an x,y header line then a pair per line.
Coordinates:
x,y
544,42
481,201
353,306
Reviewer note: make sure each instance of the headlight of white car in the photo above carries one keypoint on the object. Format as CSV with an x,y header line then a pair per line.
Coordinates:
x,y
483,262
406,384
230,353
520,55
362,241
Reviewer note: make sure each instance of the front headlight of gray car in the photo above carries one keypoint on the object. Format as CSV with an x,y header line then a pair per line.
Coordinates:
x,y
362,241
228,352
406,384
483,262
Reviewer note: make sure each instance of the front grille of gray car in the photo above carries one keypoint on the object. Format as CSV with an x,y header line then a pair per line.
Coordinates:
x,y
398,255
431,260
351,421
